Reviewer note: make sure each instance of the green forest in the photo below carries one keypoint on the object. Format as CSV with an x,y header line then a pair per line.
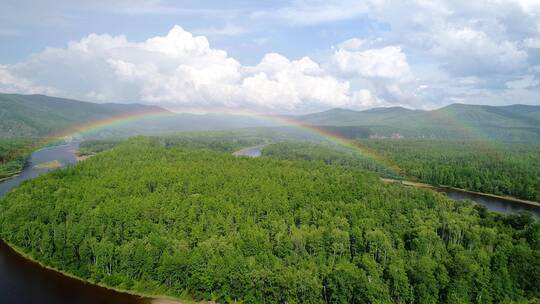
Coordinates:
x,y
502,169
327,153
153,217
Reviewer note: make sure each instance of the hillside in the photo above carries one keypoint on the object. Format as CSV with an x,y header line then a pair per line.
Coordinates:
x,y
39,115
515,123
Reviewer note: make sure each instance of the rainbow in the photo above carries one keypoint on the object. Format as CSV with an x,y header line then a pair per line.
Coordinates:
x,y
339,140
96,125
334,137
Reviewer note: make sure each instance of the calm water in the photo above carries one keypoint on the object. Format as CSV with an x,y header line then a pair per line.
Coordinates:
x,y
25,282
492,203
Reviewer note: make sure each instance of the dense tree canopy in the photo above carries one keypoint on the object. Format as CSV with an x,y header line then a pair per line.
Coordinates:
x,y
149,218
503,169
327,153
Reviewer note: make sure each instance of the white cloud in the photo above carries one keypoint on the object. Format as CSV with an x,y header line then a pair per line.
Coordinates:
x,y
465,38
10,83
454,50
466,51
387,62
183,70
525,82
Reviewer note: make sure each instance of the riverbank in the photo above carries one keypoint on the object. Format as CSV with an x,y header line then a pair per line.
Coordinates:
x,y
144,298
3,179
443,188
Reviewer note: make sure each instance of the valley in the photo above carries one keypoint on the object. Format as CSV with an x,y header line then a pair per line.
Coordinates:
x,y
280,212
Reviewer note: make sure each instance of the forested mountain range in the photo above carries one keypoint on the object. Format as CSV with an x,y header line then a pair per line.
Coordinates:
x,y
39,115
514,123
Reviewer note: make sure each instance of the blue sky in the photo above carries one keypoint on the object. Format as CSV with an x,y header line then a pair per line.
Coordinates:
x,y
274,56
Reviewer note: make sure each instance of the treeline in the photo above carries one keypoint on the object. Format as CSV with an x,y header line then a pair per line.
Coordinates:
x,y
13,155
91,147
174,221
224,141
327,153
502,169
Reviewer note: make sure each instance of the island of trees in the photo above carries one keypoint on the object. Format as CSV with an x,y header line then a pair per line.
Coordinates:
x,y
151,217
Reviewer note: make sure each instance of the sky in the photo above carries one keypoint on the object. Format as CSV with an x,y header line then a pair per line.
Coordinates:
x,y
273,56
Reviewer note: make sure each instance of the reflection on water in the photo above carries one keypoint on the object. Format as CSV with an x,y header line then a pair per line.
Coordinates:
x,y
25,282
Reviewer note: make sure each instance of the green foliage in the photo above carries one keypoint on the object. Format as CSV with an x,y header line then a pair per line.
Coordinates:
x,y
225,141
149,217
327,153
91,147
503,169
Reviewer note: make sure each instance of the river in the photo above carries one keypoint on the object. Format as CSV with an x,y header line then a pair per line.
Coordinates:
x,y
25,282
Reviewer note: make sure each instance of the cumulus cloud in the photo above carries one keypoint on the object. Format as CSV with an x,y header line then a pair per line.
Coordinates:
x,y
185,71
425,54
465,38
386,62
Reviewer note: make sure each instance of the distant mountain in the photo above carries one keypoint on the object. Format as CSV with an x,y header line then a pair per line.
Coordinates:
x,y
39,115
515,123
